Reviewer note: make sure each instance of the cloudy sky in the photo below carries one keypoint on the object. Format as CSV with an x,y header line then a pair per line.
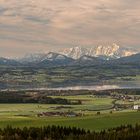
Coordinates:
x,y
42,25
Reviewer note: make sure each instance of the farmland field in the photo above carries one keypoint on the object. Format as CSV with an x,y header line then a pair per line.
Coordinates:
x,y
20,115
95,122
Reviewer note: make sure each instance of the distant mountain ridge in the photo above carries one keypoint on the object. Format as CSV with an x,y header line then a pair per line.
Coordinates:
x,y
54,59
77,56
133,59
107,52
8,62
46,59
104,52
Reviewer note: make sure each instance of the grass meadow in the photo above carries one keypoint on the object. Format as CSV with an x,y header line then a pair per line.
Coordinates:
x,y
20,115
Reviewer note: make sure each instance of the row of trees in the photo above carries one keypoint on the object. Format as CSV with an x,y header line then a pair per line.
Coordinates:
x,y
31,98
50,100
62,133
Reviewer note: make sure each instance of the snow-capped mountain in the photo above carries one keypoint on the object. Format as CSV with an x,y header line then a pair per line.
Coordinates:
x,y
54,56
37,57
82,56
107,52
88,60
75,52
45,59
77,55
30,58
8,62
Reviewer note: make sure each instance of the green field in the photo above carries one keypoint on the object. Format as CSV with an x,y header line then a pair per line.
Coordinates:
x,y
20,115
95,122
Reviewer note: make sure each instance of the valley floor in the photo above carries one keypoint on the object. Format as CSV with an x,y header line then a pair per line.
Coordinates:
x,y
95,122
96,113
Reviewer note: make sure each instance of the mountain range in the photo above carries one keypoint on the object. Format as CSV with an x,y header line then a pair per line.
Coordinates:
x,y
107,52
77,56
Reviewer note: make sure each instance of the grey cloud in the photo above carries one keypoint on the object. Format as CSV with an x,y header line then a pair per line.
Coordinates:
x,y
58,24
2,10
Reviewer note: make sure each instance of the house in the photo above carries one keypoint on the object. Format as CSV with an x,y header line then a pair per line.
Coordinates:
x,y
136,107
55,114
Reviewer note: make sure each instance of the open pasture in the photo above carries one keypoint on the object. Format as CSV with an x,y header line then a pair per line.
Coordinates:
x,y
20,115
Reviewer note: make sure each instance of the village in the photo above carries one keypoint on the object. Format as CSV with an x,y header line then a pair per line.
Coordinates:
x,y
57,114
120,102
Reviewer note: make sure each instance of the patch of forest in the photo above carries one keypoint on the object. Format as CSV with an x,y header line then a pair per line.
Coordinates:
x,y
128,132
15,97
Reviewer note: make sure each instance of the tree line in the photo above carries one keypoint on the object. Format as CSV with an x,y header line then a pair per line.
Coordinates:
x,y
128,132
15,97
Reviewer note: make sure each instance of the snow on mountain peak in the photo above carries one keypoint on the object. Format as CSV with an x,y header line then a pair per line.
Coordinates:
x,y
75,52
112,51
105,52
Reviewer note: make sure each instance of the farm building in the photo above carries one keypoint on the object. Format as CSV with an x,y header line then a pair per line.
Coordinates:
x,y
136,107
64,114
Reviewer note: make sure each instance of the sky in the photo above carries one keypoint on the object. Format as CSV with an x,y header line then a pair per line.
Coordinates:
x,y
29,26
